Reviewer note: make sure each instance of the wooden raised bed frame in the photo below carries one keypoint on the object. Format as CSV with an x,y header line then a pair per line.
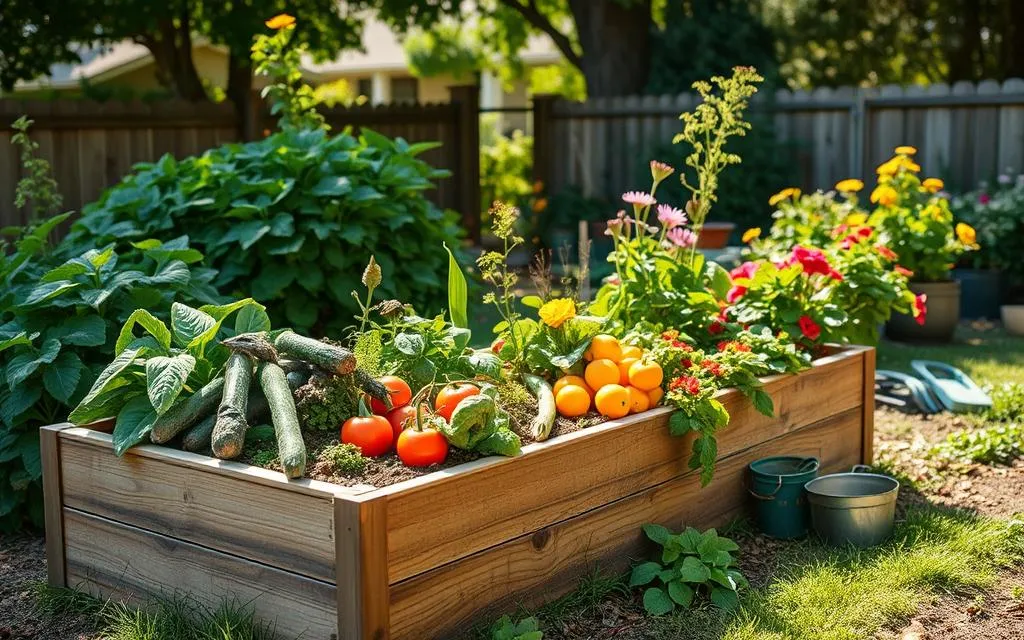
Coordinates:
x,y
427,557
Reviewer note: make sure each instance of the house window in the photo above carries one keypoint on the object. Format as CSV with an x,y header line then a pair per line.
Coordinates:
x,y
364,87
404,90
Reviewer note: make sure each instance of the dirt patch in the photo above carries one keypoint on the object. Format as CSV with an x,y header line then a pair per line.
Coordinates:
x,y
23,565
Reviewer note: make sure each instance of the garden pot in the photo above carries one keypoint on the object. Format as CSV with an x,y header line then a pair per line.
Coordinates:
x,y
979,293
853,508
777,486
1013,318
943,314
715,235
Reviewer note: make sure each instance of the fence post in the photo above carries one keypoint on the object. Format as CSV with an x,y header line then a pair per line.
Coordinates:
x,y
544,140
466,99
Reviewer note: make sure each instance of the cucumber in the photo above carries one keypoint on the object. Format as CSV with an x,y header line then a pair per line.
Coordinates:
x,y
540,427
290,448
326,356
228,435
185,413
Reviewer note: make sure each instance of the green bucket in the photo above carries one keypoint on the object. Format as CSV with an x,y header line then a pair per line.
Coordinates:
x,y
777,486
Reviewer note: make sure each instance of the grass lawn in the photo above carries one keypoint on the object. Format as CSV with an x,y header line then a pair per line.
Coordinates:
x,y
989,356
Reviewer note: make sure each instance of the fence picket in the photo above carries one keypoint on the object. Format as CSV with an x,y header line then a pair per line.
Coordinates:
x,y
1011,130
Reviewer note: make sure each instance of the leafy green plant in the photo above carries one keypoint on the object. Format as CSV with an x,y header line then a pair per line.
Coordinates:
x,y
689,565
289,219
274,55
37,186
506,164
345,459
1007,402
525,629
989,445
996,212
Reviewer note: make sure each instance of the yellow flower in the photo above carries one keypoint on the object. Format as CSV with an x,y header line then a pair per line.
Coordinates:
x,y
555,312
280,21
966,234
850,185
751,234
884,195
933,185
788,192
856,219
909,164
906,150
933,211
889,167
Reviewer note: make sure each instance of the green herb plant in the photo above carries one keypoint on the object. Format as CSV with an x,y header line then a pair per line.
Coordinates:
x,y
344,459
690,565
37,185
273,55
525,629
996,444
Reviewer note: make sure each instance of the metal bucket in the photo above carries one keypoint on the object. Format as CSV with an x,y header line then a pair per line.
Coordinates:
x,y
853,508
777,486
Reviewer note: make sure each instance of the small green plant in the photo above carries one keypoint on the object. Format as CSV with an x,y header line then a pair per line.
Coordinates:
x,y
495,271
989,445
690,563
525,629
37,185
325,402
1007,402
264,454
345,459
292,99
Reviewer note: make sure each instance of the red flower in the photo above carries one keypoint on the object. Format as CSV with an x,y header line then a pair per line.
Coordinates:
x,y
865,231
835,275
671,334
745,270
716,327
686,363
984,198
679,344
812,260
733,345
713,367
735,293
920,308
903,271
840,230
886,252
809,327
690,384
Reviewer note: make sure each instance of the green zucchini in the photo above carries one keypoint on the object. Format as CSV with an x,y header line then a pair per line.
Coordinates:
x,y
185,413
228,435
326,356
291,449
540,426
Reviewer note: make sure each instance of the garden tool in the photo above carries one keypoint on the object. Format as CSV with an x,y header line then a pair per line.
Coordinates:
x,y
904,392
952,387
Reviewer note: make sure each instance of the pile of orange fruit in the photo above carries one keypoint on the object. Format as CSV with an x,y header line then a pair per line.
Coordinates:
x,y
618,380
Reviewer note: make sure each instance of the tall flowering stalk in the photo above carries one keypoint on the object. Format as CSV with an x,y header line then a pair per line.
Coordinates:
x,y
290,98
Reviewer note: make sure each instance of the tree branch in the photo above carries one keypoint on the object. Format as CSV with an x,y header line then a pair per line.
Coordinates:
x,y
532,14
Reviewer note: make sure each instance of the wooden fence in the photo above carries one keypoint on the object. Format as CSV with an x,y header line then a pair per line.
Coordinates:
x,y
964,134
93,145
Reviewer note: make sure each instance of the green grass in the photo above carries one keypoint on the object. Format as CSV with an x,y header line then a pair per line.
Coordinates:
x,y
986,356
177,618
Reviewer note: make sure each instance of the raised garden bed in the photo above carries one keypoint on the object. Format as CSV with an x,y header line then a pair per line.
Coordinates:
x,y
426,557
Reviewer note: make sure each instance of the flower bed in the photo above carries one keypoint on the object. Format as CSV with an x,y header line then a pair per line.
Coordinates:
x,y
427,556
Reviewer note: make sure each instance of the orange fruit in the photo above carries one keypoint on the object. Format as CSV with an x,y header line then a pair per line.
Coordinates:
x,y
612,401
645,375
605,346
601,372
572,401
654,396
629,351
574,381
638,400
624,365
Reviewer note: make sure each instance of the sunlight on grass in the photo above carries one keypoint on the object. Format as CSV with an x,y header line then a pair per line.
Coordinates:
x,y
987,356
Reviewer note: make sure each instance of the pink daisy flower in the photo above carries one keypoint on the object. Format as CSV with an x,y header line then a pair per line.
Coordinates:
x,y
639,198
681,237
671,217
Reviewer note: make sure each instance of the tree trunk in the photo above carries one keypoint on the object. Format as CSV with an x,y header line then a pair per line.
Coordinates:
x,y
240,93
1014,36
616,43
171,47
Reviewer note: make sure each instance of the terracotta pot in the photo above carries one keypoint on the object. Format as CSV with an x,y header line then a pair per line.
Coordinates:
x,y
1013,318
715,235
942,318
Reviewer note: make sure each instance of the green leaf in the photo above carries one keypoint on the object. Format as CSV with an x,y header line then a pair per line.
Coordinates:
x,y
47,291
534,302
722,578
108,378
18,401
153,325
25,364
252,318
332,186
458,292
134,422
14,341
165,378
657,533
83,331
644,573
719,278
724,598
657,602
682,594
410,344
693,570
174,272
763,403
62,377
187,323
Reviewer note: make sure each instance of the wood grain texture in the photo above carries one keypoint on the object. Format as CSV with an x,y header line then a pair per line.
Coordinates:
x,y
269,523
540,566
53,514
129,564
578,472
362,552
868,433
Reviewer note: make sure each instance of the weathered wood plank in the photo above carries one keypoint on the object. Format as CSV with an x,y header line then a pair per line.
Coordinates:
x,y
362,552
53,514
130,564
226,512
543,564
632,456
868,409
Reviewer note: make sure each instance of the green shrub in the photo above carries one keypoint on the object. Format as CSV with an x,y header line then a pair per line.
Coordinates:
x,y
989,445
345,459
1007,402
506,165
290,219
59,320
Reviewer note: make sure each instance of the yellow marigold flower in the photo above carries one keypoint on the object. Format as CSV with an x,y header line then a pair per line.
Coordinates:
x,y
884,195
967,234
850,185
856,219
555,312
789,192
889,167
909,164
933,185
906,150
751,234
280,21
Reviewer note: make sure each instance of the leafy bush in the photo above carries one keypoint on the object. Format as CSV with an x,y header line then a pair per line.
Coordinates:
x,y
990,445
997,213
525,629
290,218
59,325
1007,402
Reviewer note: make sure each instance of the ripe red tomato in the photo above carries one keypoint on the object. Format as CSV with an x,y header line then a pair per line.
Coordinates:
x,y
451,396
372,434
422,448
404,417
399,391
